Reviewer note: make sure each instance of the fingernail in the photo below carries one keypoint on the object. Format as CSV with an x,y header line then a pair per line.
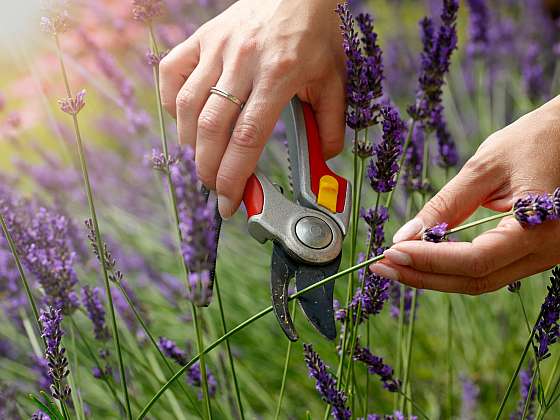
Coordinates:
x,y
225,206
398,257
385,271
408,231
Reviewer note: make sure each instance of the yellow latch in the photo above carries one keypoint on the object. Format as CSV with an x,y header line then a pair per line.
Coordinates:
x,y
328,192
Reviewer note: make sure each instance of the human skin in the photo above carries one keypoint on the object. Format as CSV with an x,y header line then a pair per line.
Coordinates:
x,y
266,52
522,158
263,52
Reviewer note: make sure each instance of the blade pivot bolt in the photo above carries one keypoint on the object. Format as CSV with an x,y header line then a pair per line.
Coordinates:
x,y
314,232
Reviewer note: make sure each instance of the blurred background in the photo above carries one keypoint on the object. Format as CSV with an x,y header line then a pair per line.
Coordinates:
x,y
495,78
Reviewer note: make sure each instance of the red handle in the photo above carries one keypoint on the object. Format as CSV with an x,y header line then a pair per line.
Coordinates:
x,y
253,196
317,164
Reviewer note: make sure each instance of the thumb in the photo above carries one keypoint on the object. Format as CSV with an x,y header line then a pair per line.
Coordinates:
x,y
456,201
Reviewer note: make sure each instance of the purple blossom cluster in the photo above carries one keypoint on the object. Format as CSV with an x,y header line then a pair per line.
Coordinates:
x,y
535,209
91,299
364,68
197,222
435,234
147,10
325,384
382,172
469,401
55,354
375,219
478,43
548,326
395,292
413,179
74,105
194,375
526,399
376,366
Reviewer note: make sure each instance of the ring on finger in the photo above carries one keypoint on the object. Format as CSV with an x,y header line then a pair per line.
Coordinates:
x,y
230,97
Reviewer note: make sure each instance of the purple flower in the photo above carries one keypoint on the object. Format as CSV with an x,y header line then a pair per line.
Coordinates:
x,y
364,69
154,59
479,21
413,164
469,402
376,233
55,19
514,287
382,172
435,233
47,252
395,295
533,72
326,384
39,415
339,312
146,10
73,106
556,202
435,60
171,350
55,354
447,149
197,222
547,327
363,147
96,312
194,378
525,379
376,366
533,210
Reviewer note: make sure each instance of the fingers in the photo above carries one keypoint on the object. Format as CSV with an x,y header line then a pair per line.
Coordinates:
x,y
457,200
487,253
216,122
253,127
193,95
174,70
525,267
329,112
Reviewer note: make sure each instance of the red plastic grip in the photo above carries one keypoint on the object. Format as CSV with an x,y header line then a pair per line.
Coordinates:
x,y
317,164
253,196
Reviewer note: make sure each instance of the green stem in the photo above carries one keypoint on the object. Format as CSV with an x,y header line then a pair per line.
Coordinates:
x,y
250,321
228,349
528,400
155,344
173,196
546,390
479,222
286,364
449,350
22,276
93,215
517,369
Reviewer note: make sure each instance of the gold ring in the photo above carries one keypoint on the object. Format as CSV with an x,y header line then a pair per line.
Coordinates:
x,y
228,96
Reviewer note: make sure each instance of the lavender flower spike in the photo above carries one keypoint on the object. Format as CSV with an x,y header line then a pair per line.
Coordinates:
x,y
548,326
382,172
198,228
326,384
40,415
55,19
51,319
171,350
469,402
73,106
96,312
146,10
376,366
479,41
436,233
534,210
525,378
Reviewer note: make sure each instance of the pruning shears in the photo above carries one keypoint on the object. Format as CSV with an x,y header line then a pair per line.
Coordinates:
x,y
308,232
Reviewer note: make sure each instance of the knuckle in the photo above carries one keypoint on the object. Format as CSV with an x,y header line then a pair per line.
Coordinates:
x,y
184,99
247,46
209,123
247,134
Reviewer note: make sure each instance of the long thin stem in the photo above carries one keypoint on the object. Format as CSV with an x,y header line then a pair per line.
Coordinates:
x,y
93,215
22,276
250,321
479,222
285,372
173,197
228,349
154,343
548,385
528,400
449,350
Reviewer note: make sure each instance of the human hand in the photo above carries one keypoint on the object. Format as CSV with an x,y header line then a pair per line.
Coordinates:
x,y
522,158
264,53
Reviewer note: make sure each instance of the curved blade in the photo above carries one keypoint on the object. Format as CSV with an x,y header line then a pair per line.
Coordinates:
x,y
282,271
317,304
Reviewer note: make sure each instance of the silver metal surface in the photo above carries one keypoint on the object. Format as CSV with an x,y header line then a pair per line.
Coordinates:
x,y
299,162
313,232
228,96
277,223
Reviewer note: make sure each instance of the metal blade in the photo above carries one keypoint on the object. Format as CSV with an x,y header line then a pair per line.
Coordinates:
x,y
282,271
317,304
